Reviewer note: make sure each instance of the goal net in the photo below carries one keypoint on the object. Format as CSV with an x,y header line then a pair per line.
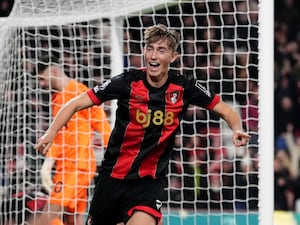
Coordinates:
x,y
209,181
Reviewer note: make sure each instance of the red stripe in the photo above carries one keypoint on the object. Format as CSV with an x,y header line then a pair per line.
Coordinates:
x,y
129,151
146,209
215,101
93,97
134,133
149,165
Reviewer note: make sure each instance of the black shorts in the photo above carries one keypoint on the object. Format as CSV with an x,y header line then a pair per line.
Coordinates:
x,y
115,200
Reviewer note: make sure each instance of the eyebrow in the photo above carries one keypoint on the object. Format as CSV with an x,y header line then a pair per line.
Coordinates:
x,y
150,45
161,47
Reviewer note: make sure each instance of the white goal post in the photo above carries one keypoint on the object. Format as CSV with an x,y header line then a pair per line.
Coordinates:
x,y
225,44
266,112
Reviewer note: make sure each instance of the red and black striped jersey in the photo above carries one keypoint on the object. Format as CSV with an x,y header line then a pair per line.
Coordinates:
x,y
147,119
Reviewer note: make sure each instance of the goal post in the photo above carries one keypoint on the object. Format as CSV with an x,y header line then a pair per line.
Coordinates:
x,y
266,112
209,181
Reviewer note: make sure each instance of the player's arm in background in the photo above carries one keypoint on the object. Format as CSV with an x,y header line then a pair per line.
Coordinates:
x,y
76,104
101,124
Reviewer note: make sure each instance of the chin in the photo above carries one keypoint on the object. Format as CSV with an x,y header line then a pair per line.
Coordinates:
x,y
154,73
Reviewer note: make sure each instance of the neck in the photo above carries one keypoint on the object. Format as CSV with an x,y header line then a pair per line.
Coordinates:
x,y
157,81
61,84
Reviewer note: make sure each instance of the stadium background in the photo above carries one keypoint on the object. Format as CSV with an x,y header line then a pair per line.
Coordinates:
x,y
287,105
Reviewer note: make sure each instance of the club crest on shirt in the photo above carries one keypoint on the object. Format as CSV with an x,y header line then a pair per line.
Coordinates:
x,y
173,97
58,186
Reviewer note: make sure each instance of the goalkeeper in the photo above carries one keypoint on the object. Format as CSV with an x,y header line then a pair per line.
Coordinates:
x,y
71,152
151,103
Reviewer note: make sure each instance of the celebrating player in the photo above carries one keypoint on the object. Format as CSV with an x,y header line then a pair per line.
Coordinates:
x,y
71,151
151,103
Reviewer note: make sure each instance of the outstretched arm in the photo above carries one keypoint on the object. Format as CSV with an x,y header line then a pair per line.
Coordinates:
x,y
61,119
239,138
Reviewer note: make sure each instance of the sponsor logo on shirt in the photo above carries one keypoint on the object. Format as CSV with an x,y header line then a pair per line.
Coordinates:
x,y
156,117
102,86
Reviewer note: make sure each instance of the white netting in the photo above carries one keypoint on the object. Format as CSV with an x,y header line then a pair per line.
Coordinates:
x,y
209,180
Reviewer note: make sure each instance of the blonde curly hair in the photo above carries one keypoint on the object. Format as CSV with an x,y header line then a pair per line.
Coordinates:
x,y
161,32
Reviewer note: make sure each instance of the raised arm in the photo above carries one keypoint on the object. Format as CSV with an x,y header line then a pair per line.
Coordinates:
x,y
61,119
239,138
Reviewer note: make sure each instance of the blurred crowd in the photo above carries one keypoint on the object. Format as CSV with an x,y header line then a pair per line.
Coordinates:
x,y
6,7
287,104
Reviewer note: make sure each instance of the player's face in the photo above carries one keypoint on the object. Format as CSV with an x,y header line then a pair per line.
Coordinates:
x,y
44,79
158,56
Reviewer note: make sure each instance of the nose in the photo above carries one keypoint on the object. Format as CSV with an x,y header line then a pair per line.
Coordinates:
x,y
154,54
41,83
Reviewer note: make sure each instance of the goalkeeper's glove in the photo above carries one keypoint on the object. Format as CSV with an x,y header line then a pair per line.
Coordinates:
x,y
46,174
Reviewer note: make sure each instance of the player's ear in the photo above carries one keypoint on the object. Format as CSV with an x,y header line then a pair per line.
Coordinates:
x,y
54,71
174,57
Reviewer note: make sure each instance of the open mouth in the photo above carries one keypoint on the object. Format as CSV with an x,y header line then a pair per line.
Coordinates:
x,y
154,64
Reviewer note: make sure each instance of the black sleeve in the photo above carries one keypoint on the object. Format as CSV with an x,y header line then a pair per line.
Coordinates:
x,y
197,94
114,88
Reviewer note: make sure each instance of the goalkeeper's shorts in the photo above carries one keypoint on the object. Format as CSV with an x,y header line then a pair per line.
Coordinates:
x,y
70,190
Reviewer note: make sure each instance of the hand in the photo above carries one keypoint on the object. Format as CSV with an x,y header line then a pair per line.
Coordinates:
x,y
46,182
240,138
46,174
44,142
